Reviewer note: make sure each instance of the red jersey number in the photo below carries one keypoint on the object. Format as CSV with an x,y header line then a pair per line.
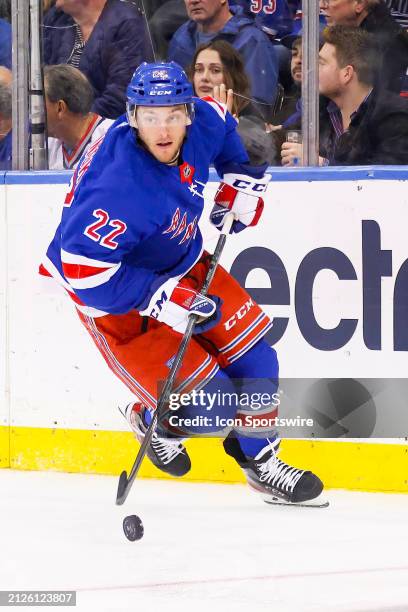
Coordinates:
x,y
91,231
268,6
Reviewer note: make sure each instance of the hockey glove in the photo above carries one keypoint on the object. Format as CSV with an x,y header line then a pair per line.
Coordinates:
x,y
240,194
172,303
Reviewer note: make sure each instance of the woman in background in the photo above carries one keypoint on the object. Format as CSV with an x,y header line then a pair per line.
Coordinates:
x,y
217,70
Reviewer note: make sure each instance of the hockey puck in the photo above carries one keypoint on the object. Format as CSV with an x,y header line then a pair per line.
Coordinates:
x,y
133,527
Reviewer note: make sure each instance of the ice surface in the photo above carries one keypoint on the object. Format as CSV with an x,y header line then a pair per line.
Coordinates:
x,y
206,547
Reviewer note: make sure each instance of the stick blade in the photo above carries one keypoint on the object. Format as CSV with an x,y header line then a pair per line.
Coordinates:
x,y
122,486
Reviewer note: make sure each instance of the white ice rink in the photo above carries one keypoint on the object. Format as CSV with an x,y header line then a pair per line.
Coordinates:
x,y
206,547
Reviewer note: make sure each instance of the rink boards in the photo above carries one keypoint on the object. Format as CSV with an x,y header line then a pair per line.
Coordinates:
x,y
328,263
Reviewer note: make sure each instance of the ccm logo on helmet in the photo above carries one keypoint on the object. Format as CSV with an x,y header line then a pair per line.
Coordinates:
x,y
240,184
238,315
159,93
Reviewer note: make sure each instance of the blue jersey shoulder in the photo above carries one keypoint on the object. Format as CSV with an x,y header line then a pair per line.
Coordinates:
x,y
115,175
214,134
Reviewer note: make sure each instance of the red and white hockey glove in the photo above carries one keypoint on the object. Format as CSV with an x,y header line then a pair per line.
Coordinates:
x,y
240,194
172,303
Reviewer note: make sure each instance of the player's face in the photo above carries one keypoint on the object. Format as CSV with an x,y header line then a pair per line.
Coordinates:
x,y
162,130
208,72
330,73
296,62
203,11
341,12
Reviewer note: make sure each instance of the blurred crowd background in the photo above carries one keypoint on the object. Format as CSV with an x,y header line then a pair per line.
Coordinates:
x,y
246,54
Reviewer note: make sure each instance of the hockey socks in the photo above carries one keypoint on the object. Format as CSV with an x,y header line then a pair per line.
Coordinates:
x,y
146,416
251,447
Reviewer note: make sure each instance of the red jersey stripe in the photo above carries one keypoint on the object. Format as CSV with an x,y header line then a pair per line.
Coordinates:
x,y
215,102
72,270
43,271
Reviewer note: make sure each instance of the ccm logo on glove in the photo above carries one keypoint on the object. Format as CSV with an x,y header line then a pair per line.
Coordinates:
x,y
258,187
173,303
239,194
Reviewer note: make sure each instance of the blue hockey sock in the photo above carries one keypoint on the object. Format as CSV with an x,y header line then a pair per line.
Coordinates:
x,y
259,370
251,446
146,416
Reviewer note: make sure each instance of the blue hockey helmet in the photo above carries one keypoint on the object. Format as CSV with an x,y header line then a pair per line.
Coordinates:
x,y
159,84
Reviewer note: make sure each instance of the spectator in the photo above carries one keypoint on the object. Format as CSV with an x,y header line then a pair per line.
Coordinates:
x,y
276,24
163,24
106,41
361,124
6,76
47,4
217,70
5,10
217,67
166,16
71,125
5,119
374,16
214,19
5,43
290,113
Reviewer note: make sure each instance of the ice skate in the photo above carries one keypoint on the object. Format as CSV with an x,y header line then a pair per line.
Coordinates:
x,y
167,454
276,481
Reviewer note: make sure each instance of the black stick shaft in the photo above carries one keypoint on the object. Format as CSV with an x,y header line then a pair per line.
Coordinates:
x,y
125,482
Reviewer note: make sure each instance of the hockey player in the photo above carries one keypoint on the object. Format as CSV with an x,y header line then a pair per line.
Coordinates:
x,y
129,253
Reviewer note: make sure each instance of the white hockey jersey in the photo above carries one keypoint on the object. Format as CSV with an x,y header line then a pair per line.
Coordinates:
x,y
60,158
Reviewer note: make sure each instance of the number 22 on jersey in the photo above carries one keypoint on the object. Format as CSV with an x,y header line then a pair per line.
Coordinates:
x,y
92,230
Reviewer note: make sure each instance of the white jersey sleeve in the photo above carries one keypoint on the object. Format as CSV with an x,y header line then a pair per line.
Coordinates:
x,y
61,158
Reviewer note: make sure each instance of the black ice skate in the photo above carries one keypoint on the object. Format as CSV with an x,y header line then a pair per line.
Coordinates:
x,y
276,481
167,454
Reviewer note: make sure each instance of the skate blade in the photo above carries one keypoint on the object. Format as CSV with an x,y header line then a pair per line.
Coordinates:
x,y
313,503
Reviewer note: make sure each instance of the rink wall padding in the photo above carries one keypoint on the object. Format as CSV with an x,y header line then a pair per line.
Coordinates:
x,y
4,447
328,263
4,348
348,465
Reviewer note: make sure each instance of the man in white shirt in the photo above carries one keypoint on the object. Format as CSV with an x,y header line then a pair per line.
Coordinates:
x,y
71,125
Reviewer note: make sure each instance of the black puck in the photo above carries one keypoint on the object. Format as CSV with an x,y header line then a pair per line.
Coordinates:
x,y
133,527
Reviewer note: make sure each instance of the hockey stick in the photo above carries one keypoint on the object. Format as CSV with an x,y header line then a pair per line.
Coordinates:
x,y
125,482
